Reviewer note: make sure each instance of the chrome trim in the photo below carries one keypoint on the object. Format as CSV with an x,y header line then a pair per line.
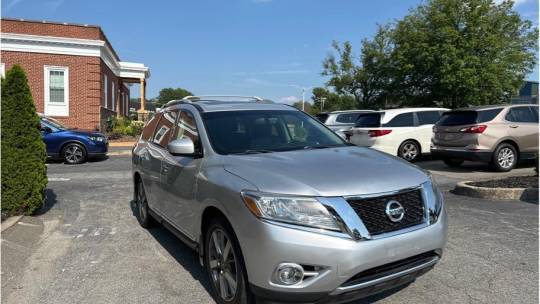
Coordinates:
x,y
387,193
350,221
201,97
341,290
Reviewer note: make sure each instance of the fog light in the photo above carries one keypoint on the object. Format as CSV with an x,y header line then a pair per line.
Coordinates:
x,y
290,273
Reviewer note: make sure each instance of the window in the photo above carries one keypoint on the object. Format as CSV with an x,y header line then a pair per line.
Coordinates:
x,y
520,114
105,91
113,96
56,91
2,70
401,120
187,127
428,117
535,112
150,127
457,118
162,135
371,120
347,118
322,117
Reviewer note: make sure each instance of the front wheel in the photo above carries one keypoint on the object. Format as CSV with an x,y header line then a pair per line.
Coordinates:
x,y
143,214
504,158
74,154
409,150
225,265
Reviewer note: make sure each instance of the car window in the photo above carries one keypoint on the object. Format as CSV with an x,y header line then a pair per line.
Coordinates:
x,y
149,128
187,127
347,118
401,120
428,117
520,114
260,131
487,115
322,117
535,112
457,118
162,135
370,120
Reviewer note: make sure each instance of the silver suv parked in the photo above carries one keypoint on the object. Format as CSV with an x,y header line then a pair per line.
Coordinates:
x,y
279,207
340,121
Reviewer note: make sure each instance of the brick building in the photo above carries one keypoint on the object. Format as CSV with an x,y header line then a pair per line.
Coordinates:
x,y
74,73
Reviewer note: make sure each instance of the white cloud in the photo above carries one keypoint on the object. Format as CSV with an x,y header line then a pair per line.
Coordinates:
x,y
516,2
289,99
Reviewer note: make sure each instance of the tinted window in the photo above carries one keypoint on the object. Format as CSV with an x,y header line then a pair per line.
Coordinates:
x,y
149,128
535,113
456,118
162,135
371,120
401,120
322,117
347,118
186,127
428,117
233,132
520,114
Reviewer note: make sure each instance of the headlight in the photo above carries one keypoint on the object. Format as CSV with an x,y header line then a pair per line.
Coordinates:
x,y
434,199
305,211
97,138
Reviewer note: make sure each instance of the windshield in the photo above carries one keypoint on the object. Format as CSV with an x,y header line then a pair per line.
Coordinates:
x,y
53,123
244,132
371,120
457,118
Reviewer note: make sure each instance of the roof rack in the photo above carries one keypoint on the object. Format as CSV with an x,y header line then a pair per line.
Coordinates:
x,y
217,97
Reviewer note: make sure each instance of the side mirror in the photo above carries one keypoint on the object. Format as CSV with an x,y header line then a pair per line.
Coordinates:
x,y
182,146
46,130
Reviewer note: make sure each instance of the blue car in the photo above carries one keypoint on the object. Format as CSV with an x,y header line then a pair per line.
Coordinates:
x,y
72,145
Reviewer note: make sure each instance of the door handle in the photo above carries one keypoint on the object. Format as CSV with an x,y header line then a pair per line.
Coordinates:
x,y
514,126
164,169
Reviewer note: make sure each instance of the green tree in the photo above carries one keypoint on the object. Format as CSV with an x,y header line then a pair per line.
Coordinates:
x,y
308,107
332,101
168,94
445,52
24,175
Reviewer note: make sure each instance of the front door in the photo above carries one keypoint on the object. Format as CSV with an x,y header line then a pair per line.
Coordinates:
x,y
179,175
523,128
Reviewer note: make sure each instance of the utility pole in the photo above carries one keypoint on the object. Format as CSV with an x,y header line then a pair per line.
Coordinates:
x,y
323,99
303,97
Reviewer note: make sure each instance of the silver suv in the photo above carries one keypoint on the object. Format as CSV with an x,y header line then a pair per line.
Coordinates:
x,y
279,207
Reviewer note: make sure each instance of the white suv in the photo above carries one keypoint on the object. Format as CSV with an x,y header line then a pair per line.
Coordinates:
x,y
402,132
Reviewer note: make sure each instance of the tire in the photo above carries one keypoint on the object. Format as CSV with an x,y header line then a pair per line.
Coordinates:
x,y
74,154
453,162
227,274
409,150
143,214
504,158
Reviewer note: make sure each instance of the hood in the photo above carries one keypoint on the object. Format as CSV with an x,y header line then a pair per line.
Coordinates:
x,y
84,132
326,172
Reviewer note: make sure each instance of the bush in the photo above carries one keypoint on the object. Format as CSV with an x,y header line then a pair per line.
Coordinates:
x,y
122,126
24,174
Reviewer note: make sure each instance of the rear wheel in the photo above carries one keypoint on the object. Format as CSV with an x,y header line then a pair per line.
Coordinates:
x,y
409,150
453,162
504,158
225,265
74,154
143,216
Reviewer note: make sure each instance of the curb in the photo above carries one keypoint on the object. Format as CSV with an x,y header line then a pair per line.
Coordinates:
x,y
127,144
119,153
10,222
522,194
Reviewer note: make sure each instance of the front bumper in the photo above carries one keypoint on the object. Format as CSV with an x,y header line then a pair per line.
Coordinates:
x,y
341,258
98,149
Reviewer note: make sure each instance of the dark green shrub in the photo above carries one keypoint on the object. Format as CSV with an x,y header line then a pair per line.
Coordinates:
x,y
24,175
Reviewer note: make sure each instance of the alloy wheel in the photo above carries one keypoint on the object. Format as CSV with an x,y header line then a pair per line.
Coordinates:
x,y
74,154
409,151
141,202
223,264
506,158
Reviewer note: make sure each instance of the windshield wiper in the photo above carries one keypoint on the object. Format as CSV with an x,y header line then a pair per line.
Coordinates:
x,y
320,147
252,152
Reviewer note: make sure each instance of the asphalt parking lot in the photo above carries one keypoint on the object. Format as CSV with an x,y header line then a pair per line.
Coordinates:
x,y
87,247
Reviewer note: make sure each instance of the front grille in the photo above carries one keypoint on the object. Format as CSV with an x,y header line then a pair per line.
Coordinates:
x,y
391,268
372,211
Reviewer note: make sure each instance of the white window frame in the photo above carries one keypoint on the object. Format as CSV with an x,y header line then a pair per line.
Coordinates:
x,y
2,69
113,96
55,109
106,90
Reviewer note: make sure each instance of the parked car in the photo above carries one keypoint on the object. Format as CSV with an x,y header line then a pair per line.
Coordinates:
x,y
72,145
402,132
340,121
499,135
281,208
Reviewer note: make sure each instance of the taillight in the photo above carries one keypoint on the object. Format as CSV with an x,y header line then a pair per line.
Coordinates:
x,y
377,133
474,129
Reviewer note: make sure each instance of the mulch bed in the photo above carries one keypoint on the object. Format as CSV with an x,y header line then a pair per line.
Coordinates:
x,y
509,182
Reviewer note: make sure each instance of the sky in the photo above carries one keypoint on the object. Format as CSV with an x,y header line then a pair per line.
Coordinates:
x,y
268,48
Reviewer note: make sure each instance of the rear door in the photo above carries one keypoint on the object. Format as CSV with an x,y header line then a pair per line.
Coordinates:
x,y
424,131
523,127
